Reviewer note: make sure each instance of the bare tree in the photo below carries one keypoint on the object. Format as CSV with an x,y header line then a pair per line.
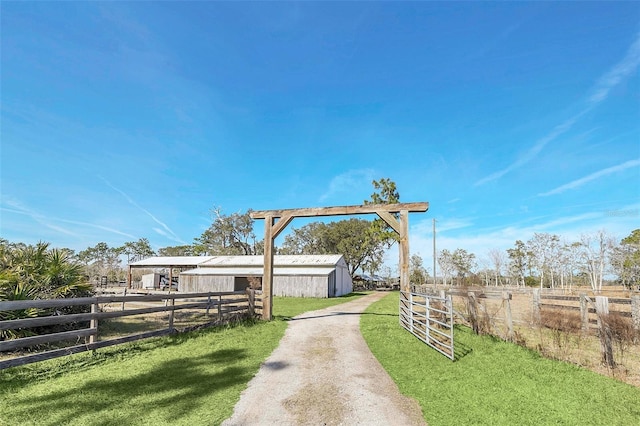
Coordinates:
x,y
498,259
445,261
541,247
595,249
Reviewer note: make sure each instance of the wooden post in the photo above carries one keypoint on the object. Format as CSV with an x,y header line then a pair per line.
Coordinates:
x,y
536,305
172,304
584,314
129,278
404,250
606,336
635,313
267,279
506,297
124,293
473,312
251,293
219,307
93,324
208,304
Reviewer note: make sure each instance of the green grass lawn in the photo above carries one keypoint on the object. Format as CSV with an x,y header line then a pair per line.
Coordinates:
x,y
493,382
190,379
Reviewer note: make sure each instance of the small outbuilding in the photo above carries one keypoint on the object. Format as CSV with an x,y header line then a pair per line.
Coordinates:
x,y
293,275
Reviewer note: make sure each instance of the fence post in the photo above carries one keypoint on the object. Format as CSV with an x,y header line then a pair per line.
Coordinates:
x,y
124,293
208,304
473,312
536,305
506,297
251,293
93,323
172,303
635,313
219,307
606,337
584,313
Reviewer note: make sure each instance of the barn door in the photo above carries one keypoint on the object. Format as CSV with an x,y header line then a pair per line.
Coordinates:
x,y
332,284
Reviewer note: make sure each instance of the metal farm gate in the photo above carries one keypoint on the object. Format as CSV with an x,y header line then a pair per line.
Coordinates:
x,y
430,319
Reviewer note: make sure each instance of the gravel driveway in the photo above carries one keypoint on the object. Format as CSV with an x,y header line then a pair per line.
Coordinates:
x,y
323,373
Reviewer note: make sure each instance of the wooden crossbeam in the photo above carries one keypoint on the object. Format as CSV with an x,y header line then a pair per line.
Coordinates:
x,y
341,210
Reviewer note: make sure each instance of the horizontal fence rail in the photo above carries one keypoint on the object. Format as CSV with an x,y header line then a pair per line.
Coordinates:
x,y
589,307
86,324
430,319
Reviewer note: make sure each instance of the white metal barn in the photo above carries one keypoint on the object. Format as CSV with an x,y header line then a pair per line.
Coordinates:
x,y
293,275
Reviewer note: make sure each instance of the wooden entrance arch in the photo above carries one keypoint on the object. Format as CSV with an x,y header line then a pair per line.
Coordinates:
x,y
273,228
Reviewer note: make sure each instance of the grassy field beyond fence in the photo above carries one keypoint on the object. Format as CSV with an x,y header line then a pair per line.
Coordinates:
x,y
493,382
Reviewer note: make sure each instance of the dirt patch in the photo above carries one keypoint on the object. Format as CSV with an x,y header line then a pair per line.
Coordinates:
x,y
324,374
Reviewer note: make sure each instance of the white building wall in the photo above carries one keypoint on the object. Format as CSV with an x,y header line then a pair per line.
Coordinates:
x,y
300,286
151,281
204,283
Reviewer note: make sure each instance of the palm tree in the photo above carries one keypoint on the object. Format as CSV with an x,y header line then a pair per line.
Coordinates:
x,y
30,272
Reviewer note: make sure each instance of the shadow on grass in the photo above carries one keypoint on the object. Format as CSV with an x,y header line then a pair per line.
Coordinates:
x,y
172,388
460,350
21,376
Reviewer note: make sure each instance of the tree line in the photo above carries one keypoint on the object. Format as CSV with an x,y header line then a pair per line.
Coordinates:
x,y
546,260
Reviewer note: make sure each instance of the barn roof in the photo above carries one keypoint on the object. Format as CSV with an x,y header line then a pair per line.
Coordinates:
x,y
257,271
296,261
167,261
311,260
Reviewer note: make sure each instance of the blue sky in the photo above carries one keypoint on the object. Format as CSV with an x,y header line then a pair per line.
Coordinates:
x,y
128,120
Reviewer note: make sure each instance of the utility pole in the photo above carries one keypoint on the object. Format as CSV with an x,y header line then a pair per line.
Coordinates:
x,y
435,281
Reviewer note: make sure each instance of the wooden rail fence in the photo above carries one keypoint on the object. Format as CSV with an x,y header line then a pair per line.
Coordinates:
x,y
225,304
589,307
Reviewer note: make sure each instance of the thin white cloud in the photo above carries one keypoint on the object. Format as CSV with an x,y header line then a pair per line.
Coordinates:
x,y
449,224
593,176
162,232
93,225
601,91
169,233
623,69
39,218
350,181
534,150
